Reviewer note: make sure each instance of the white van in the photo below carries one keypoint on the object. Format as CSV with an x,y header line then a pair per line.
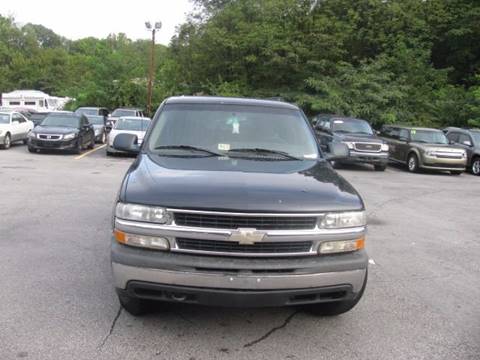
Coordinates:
x,y
32,99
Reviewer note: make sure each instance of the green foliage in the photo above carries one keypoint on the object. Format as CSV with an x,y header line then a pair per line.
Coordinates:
x,y
388,61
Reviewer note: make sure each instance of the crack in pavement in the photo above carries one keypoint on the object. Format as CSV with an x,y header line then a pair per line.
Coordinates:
x,y
271,331
112,326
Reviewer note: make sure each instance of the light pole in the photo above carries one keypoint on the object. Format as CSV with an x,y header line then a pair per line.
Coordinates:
x,y
153,29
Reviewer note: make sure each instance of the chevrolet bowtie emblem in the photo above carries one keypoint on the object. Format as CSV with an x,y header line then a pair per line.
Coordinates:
x,y
247,236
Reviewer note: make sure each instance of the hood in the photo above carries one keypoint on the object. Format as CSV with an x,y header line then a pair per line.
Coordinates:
x,y
358,138
242,185
54,130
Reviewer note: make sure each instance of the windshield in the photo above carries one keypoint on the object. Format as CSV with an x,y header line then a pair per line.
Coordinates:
x,y
4,119
222,129
428,136
476,137
38,116
351,126
132,124
61,121
124,112
96,120
86,111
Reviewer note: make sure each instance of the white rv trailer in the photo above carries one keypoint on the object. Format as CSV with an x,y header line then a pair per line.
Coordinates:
x,y
33,99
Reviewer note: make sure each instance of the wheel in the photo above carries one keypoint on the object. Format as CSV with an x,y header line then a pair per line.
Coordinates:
x,y
31,149
132,305
78,148
476,166
103,139
338,307
25,141
412,163
380,167
7,142
109,153
92,143
456,172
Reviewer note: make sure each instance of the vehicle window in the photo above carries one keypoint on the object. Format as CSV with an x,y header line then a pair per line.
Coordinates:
x,y
355,126
20,118
14,103
4,119
124,112
96,120
37,117
453,137
390,132
476,136
132,124
428,136
404,134
223,127
61,121
463,137
84,111
30,103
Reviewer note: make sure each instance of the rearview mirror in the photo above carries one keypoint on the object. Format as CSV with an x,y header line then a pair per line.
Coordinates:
x,y
127,143
336,151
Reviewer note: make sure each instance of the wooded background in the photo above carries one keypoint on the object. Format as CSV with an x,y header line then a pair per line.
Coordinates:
x,y
387,61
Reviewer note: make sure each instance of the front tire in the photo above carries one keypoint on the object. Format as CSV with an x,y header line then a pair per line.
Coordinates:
x,y
338,307
7,142
92,143
380,167
412,163
476,166
31,149
132,305
78,148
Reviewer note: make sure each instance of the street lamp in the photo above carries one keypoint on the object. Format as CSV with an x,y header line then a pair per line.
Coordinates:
x,y
153,29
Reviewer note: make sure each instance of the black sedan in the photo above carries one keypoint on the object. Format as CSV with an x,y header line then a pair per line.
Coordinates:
x,y
62,131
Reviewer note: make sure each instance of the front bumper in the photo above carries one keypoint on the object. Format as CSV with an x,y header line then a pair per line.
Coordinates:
x,y
52,145
436,163
2,139
376,158
228,281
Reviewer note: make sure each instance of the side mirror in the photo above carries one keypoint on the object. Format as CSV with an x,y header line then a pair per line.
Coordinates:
x,y
127,143
467,142
336,151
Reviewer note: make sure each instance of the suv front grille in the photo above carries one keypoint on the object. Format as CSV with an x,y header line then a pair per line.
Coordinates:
x,y
235,222
368,147
284,247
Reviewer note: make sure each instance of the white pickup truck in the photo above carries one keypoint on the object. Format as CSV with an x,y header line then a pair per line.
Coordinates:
x,y
13,127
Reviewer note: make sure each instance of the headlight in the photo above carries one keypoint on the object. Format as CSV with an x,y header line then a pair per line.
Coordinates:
x,y
332,247
144,213
152,242
349,144
69,136
430,153
1,132
343,220
384,147
31,135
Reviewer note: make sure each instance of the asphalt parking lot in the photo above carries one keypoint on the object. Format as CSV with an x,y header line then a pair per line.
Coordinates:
x,y
57,300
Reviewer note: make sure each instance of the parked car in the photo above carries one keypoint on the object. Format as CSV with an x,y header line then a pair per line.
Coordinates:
x,y
98,123
123,112
62,131
423,148
232,203
13,127
137,126
364,146
92,111
469,139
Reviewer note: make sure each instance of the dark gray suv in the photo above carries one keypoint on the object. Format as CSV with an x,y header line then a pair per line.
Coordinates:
x,y
469,139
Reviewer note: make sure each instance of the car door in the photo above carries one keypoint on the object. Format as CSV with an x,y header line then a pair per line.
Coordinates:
x,y
466,142
25,126
403,146
16,127
391,134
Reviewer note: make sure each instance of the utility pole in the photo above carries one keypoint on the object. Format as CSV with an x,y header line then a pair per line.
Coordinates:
x,y
153,29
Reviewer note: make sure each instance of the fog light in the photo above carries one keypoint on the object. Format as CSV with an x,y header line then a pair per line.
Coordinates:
x,y
332,247
145,241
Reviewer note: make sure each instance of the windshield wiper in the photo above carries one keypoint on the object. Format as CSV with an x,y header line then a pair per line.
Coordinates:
x,y
265,151
187,147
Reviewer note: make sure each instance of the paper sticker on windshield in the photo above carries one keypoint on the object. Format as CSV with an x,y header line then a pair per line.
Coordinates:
x,y
338,121
224,147
413,132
